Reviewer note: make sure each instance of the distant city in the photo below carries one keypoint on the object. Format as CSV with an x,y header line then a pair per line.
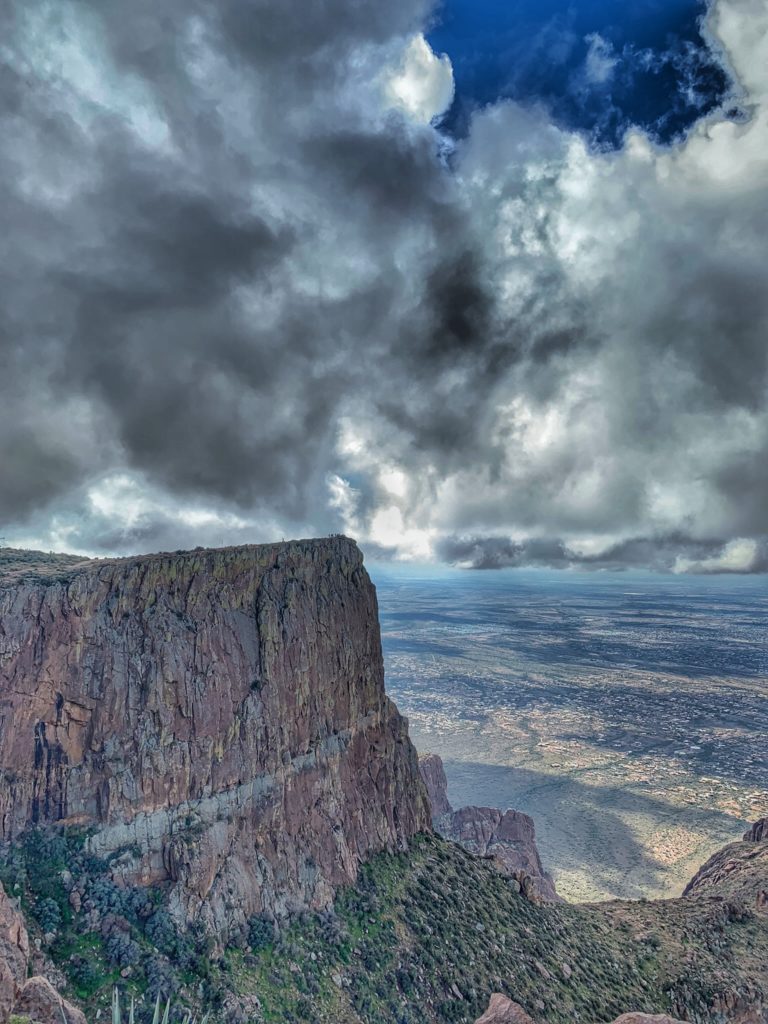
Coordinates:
x,y
627,714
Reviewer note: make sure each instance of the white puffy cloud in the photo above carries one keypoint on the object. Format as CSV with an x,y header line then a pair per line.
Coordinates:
x,y
423,83
737,556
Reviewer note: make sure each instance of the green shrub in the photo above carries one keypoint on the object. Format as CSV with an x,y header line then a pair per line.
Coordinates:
x,y
106,896
261,932
122,950
83,973
48,914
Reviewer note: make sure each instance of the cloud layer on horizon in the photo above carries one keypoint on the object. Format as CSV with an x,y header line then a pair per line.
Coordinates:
x,y
251,291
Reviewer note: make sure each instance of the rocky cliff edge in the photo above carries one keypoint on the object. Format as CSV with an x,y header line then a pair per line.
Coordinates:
x,y
217,717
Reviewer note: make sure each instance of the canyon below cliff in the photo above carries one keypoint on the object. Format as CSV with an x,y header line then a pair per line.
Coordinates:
x,y
207,794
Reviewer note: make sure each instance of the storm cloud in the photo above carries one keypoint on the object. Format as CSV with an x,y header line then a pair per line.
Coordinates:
x,y
251,289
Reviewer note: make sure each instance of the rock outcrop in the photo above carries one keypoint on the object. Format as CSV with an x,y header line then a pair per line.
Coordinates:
x,y
738,872
42,1004
33,997
218,716
508,837
433,774
502,1010
758,833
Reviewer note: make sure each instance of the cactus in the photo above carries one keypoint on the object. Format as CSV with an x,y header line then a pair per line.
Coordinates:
x,y
157,1018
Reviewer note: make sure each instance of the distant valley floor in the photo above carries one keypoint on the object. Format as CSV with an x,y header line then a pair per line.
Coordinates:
x,y
627,717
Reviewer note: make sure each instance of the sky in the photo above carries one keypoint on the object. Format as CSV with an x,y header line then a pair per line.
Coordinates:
x,y
599,66
482,285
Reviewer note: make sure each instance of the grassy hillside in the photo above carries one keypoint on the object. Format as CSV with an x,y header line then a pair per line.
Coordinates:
x,y
424,936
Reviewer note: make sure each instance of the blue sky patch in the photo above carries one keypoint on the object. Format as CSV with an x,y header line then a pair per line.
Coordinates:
x,y
599,66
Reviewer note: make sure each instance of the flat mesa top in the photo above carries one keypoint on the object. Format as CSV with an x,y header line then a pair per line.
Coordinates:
x,y
18,565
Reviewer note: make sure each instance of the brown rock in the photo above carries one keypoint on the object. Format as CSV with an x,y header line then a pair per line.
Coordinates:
x,y
433,774
509,837
222,711
646,1018
14,941
7,991
503,1011
14,954
758,833
736,872
40,1001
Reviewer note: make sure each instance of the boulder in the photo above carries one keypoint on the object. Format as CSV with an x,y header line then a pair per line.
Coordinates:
x,y
504,1011
40,1001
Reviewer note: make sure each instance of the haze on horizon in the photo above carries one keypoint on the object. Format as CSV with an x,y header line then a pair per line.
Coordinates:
x,y
277,269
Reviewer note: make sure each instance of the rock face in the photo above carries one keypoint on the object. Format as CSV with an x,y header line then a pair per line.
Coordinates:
x,y
738,871
509,837
219,713
14,954
40,1001
433,774
32,997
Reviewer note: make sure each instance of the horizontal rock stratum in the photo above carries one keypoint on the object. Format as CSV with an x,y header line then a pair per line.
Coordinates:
x,y
219,715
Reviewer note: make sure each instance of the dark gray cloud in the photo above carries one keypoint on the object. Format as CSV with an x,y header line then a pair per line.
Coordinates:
x,y
673,553
247,293
176,289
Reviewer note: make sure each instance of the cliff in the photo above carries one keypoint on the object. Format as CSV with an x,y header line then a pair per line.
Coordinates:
x,y
436,782
32,997
216,721
217,716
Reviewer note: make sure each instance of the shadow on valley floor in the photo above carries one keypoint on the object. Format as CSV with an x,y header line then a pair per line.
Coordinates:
x,y
657,625
603,836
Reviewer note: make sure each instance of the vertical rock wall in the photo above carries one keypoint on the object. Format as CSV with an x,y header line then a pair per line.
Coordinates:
x,y
221,714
